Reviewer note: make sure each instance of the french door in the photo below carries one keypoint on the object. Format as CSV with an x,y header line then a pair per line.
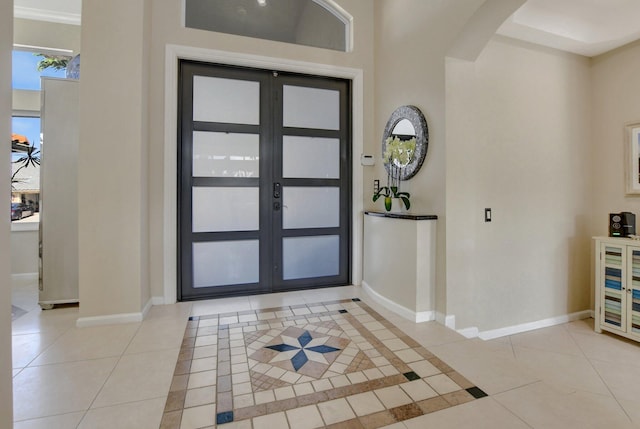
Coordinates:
x,y
264,181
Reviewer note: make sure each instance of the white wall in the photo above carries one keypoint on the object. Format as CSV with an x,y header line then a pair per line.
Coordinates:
x,y
24,249
616,85
518,141
6,392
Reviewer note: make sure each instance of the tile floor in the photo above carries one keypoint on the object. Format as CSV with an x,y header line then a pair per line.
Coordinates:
x,y
122,376
336,364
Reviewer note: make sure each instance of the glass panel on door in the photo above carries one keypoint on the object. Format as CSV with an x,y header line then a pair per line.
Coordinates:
x,y
310,207
222,100
225,263
226,154
225,209
634,285
306,257
613,294
310,157
311,108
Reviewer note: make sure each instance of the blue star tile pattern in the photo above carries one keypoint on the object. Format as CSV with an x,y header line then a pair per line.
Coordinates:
x,y
302,349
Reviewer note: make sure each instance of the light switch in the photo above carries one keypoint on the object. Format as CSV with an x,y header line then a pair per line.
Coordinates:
x,y
487,215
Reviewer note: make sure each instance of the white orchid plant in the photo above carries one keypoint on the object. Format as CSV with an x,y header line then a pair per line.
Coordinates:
x,y
398,154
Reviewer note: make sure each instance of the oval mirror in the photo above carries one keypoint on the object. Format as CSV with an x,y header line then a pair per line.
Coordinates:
x,y
405,123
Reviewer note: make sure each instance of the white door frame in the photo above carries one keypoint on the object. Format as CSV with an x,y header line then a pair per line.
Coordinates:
x,y
173,53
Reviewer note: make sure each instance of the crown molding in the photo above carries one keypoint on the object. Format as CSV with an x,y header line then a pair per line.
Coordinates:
x,y
46,15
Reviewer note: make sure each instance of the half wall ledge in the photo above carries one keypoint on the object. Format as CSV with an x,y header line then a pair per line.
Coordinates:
x,y
399,263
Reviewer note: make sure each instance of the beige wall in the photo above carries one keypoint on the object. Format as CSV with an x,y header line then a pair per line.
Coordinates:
x,y
6,396
616,85
167,29
26,100
412,39
113,153
541,209
145,290
518,141
46,34
122,228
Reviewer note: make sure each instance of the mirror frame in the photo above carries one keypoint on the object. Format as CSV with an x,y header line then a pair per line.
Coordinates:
x,y
417,119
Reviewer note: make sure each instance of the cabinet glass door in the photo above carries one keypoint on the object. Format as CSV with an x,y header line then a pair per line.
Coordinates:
x,y
633,291
613,296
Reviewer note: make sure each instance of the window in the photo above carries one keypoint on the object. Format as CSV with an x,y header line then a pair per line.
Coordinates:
x,y
25,70
25,125
318,23
29,127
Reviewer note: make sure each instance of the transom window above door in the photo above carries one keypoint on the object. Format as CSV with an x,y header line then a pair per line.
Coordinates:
x,y
318,23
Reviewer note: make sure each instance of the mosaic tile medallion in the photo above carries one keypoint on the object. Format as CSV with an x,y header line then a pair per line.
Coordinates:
x,y
332,364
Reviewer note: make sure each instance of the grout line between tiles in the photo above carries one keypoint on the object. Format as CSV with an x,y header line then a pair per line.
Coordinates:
x,y
46,348
511,412
590,360
615,398
51,415
518,387
111,372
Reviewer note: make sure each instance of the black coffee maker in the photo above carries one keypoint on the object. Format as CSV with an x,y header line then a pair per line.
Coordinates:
x,y
622,224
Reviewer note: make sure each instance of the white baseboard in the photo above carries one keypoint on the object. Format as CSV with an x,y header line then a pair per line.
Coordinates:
x,y
425,316
147,307
524,327
418,317
109,319
468,332
25,276
450,321
114,319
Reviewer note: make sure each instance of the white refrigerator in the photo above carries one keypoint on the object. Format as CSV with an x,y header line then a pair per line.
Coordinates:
x,y
58,276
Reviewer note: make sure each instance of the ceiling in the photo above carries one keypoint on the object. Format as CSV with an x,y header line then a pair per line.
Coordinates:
x,y
585,27
63,11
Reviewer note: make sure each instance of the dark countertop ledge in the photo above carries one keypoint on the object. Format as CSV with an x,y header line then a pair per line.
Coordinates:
x,y
408,216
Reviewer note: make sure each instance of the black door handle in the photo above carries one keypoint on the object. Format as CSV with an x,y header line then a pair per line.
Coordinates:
x,y
276,190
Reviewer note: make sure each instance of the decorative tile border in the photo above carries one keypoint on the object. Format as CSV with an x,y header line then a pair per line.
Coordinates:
x,y
336,363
